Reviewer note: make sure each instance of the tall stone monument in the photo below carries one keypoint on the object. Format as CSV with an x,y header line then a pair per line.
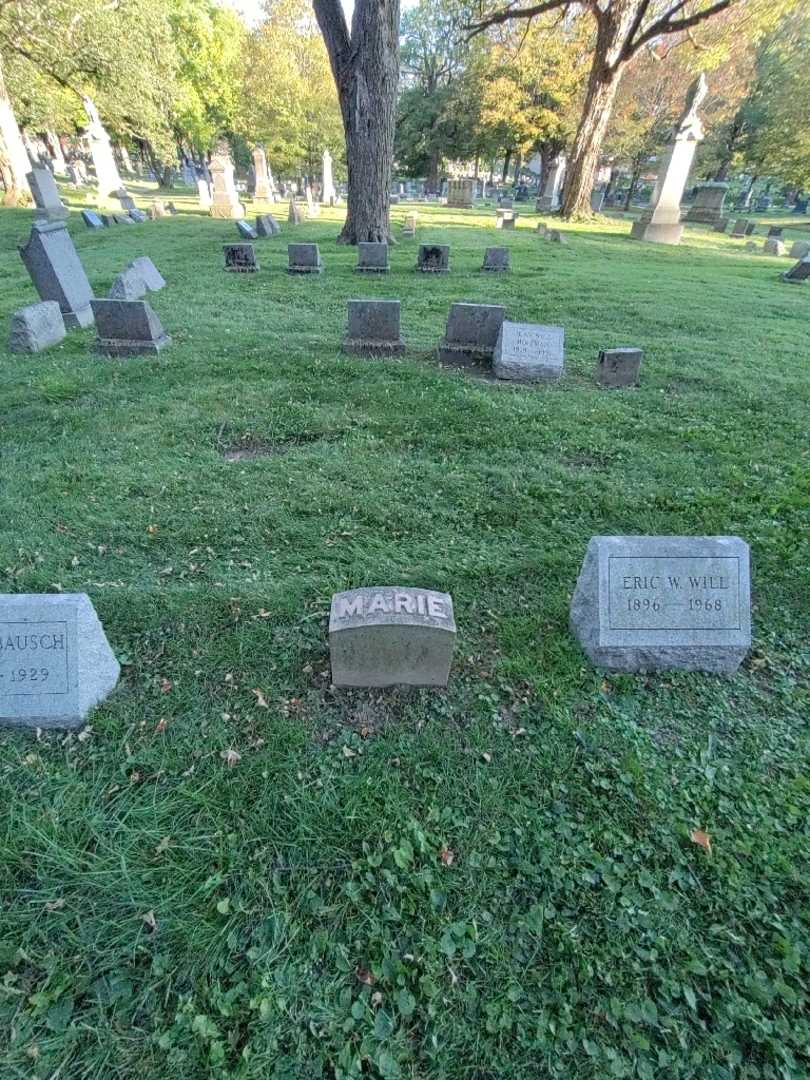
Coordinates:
x,y
108,178
552,185
661,224
329,194
262,190
460,193
225,203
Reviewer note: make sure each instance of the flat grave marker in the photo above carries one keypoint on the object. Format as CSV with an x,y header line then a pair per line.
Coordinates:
x,y
529,352
128,328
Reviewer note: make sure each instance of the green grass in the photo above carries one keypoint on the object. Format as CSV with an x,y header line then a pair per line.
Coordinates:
x,y
292,916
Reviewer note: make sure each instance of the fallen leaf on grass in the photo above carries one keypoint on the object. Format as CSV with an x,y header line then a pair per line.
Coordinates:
x,y
149,920
161,726
55,905
447,855
231,757
702,839
365,976
163,845
166,686
261,700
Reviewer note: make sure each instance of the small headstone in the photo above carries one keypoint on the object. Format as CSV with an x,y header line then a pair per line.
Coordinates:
x,y
722,225
158,209
372,258
293,214
55,661
240,258
619,367
128,328
303,259
528,352
739,227
247,232
57,272
505,219
653,603
409,225
751,246
471,334
542,228
433,259
172,208
152,277
505,202
124,219
774,246
126,200
128,285
374,328
203,193
266,225
496,259
393,200
391,636
92,220
800,249
138,216
774,230
555,236
750,228
798,273
36,327
108,220
49,206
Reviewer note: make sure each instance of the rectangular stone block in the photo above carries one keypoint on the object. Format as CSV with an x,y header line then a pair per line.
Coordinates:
x,y
128,285
505,219
304,259
373,328
471,334
740,226
619,367
750,228
496,259
775,230
55,661
240,258
128,328
36,327
372,258
652,603
390,636
798,273
57,272
528,352
92,219
266,225
138,216
246,231
433,259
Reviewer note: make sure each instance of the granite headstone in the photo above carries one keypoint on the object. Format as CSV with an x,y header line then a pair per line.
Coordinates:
x,y
128,328
57,272
373,328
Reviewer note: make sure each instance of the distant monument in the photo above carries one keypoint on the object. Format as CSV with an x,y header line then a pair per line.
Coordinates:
x,y
661,224
262,190
552,185
225,202
108,178
328,194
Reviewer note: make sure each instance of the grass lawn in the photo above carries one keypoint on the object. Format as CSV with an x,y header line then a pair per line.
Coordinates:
x,y
237,871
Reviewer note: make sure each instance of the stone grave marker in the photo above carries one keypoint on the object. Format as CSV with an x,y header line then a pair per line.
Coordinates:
x,y
471,334
552,186
505,202
108,220
773,246
708,205
172,208
739,228
225,199
49,206
750,228
496,259
266,225
505,219
528,352
293,214
721,225
246,231
460,194
92,219
798,273
304,259
128,328
240,258
149,272
313,210
204,193
653,603
128,285
57,272
262,190
409,224
124,219
373,328
390,636
799,249
126,200
542,228
372,258
36,327
433,259
619,367
138,216
775,230
55,661
156,210
555,236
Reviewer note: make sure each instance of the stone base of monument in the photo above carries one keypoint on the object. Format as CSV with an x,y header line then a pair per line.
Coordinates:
x,y
390,636
656,603
666,233
231,211
55,662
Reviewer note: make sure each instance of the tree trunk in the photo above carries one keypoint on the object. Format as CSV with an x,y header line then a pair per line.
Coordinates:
x,y
433,171
581,172
366,71
637,167
518,167
14,152
506,160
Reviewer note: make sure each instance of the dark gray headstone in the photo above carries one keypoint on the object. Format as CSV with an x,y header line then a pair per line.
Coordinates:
x,y
36,327
619,367
92,219
798,273
240,258
775,230
740,226
304,259
433,258
126,200
152,277
128,328
472,331
138,216
108,220
57,272
372,258
391,636
750,228
528,352
55,661
650,603
496,259
246,231
266,225
49,206
128,285
374,328
799,249
722,225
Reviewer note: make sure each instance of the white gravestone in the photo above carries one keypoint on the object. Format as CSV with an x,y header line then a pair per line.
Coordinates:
x,y
528,352
328,194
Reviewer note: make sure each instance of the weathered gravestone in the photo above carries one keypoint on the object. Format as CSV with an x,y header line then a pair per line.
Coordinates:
x,y
798,273
390,636
505,219
542,228
203,193
240,258
92,220
773,246
460,194
225,201
49,206
528,352
156,210
750,228
55,661
149,272
262,190
293,214
496,259
128,328
708,205
266,225
739,227
409,225
128,285
36,327
138,216
303,259
619,367
799,249
597,199
651,603
374,328
57,272
372,258
246,231
554,236
774,230
471,334
433,259
722,225
126,200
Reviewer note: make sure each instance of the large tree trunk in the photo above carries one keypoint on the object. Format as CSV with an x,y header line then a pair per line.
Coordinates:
x,y
17,165
581,171
507,158
366,71
433,171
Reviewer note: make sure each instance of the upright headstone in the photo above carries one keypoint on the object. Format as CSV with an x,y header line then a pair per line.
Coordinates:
x,y
528,352
471,334
496,259
722,225
128,328
126,200
225,202
203,193
619,367
328,194
303,259
312,207
708,205
549,200
372,258
92,220
266,225
373,328
505,219
261,190
293,214
652,603
798,273
460,193
57,272
775,230
597,199
409,224
240,258
49,206
389,636
138,216
55,661
662,223
774,246
36,327
433,259
739,228
750,228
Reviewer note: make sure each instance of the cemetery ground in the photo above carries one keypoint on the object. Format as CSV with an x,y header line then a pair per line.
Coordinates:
x,y
543,871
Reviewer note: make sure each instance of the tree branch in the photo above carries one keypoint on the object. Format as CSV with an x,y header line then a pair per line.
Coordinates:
x,y
513,13
667,25
332,21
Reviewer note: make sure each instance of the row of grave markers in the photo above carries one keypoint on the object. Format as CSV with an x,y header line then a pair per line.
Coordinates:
x,y
641,604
